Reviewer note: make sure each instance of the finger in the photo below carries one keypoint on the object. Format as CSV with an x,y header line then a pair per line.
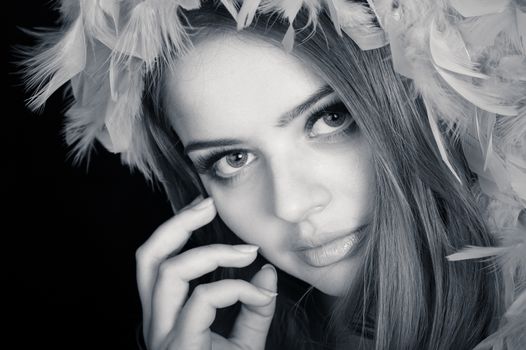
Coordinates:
x,y
171,287
168,238
252,325
199,312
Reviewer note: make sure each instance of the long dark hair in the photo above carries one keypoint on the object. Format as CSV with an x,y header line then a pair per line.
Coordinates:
x,y
407,295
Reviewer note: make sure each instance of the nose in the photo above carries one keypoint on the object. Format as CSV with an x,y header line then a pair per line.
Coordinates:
x,y
298,191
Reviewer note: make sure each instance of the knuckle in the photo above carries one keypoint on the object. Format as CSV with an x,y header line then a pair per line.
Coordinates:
x,y
240,283
215,248
163,269
140,254
167,268
178,219
201,292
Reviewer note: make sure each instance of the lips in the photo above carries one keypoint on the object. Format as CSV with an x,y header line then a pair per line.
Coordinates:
x,y
332,251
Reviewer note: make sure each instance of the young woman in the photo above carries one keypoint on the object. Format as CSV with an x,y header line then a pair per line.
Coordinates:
x,y
325,202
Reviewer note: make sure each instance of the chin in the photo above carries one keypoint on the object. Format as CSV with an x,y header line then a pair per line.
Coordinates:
x,y
336,279
335,290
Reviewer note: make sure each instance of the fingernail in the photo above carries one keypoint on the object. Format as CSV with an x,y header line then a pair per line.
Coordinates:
x,y
246,248
267,292
197,199
204,204
268,266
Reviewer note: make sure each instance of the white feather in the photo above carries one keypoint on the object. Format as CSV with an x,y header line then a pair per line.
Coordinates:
x,y
481,31
70,9
520,18
511,257
246,13
85,118
141,37
96,20
112,9
358,23
439,142
333,6
372,5
517,173
54,67
470,8
518,307
449,52
289,8
491,169
484,124
288,39
512,68
231,6
402,65
174,39
491,98
473,252
367,40
187,4
122,113
136,157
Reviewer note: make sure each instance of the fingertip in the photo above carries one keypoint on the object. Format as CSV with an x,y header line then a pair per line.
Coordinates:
x,y
193,217
197,199
266,278
204,204
204,210
269,266
268,293
271,269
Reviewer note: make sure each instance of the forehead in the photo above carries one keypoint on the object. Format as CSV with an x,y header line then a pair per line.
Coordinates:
x,y
233,86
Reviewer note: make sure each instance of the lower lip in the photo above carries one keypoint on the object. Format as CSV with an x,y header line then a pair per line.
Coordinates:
x,y
330,253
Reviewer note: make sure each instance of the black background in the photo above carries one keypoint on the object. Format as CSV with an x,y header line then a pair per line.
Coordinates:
x,y
69,233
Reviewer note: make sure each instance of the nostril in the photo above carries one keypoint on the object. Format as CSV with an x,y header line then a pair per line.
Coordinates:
x,y
297,195
312,210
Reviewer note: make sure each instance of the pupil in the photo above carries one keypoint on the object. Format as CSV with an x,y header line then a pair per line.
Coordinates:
x,y
236,159
333,119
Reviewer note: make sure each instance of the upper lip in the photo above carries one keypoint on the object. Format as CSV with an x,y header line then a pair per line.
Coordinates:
x,y
327,237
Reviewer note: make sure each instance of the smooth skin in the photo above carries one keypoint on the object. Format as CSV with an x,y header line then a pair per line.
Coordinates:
x,y
163,284
293,188
297,187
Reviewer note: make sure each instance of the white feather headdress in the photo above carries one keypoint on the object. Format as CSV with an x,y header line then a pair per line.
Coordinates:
x,y
466,58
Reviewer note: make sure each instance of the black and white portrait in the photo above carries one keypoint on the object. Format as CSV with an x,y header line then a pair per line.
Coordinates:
x,y
266,174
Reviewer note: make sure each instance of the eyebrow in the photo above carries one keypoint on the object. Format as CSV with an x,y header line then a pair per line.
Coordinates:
x,y
283,121
297,111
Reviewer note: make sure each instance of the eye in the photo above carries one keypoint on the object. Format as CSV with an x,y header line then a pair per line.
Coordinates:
x,y
231,163
330,122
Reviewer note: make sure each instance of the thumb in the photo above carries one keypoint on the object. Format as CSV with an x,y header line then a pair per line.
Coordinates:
x,y
252,324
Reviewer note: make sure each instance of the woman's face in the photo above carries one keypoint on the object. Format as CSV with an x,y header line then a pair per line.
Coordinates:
x,y
287,167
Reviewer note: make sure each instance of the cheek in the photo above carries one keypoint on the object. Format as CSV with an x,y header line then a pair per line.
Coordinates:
x,y
349,176
242,213
346,172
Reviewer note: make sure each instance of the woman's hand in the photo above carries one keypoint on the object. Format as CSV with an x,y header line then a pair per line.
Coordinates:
x,y
163,282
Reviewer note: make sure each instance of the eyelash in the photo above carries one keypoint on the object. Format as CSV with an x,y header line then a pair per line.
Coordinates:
x,y
205,164
337,107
